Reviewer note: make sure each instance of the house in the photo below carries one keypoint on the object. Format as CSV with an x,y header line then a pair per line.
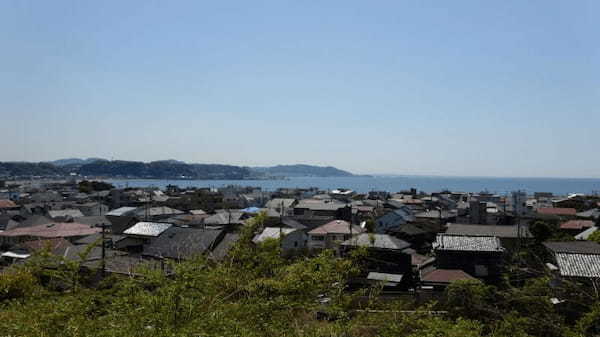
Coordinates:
x,y
386,253
480,256
92,208
121,219
590,214
331,234
141,233
392,221
181,243
575,259
313,212
122,211
439,216
221,251
8,205
556,211
225,217
439,279
157,213
586,233
56,246
282,205
510,236
575,227
291,238
65,214
69,230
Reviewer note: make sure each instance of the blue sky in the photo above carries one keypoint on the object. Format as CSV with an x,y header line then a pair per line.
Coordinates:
x,y
503,88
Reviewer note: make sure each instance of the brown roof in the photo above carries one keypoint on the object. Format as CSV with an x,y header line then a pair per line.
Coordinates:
x,y
557,211
336,227
577,224
446,276
53,230
5,203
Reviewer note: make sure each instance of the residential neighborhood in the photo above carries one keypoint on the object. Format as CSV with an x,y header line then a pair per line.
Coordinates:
x,y
422,242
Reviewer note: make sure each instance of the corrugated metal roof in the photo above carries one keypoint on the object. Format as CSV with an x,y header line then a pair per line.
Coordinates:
x,y
122,211
395,278
578,265
467,243
147,228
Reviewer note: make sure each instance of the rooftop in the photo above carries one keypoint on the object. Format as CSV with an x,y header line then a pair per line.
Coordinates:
x,y
577,224
557,211
467,243
5,203
446,276
579,265
575,247
182,243
147,229
272,233
489,230
337,227
380,241
52,230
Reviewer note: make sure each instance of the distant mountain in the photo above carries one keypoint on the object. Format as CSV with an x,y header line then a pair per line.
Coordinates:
x,y
20,169
167,169
163,169
301,170
74,161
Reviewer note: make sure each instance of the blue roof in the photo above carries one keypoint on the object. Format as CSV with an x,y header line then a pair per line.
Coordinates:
x,y
251,210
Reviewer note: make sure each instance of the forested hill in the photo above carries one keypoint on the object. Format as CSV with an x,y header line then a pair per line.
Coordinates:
x,y
154,170
302,171
164,169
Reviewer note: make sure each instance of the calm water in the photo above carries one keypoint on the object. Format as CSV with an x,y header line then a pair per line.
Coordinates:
x,y
559,186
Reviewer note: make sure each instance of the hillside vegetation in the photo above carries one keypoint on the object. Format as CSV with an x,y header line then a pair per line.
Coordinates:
x,y
256,292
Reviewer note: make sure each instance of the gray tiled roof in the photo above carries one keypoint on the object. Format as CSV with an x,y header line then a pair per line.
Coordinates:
x,y
147,228
578,265
467,243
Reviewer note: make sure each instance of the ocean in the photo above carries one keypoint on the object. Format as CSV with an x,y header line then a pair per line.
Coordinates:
x,y
363,184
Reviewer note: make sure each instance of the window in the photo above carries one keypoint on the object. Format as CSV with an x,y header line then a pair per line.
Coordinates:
x,y
318,238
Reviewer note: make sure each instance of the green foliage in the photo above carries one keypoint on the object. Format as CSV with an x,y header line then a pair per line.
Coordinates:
x,y
548,230
469,299
258,292
87,186
595,237
18,283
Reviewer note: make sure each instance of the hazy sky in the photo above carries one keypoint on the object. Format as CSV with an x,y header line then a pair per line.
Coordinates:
x,y
488,88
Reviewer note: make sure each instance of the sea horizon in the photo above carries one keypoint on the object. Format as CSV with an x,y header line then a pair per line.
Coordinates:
x,y
364,184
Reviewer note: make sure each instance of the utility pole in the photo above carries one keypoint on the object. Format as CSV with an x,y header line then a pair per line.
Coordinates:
x,y
103,250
